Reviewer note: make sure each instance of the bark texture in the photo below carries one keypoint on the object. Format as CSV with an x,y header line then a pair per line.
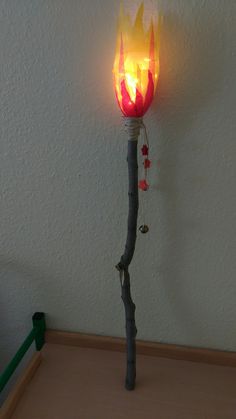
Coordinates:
x,y
131,332
133,128
133,206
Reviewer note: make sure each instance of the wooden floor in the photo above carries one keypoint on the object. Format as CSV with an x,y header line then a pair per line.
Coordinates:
x,y
80,383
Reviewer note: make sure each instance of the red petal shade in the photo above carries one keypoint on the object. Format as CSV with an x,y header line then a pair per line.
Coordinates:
x,y
136,66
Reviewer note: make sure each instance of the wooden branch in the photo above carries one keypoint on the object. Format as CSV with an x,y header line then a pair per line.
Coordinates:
x,y
131,333
133,128
132,160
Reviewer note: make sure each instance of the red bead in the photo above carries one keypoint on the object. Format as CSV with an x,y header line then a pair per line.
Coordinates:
x,y
143,185
147,163
144,150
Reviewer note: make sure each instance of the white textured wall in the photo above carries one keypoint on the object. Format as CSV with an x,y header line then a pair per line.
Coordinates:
x,y
63,174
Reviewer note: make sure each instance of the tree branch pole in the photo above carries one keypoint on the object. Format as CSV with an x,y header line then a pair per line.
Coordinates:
x,y
133,126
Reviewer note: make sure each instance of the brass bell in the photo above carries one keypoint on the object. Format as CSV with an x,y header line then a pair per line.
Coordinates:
x,y
144,229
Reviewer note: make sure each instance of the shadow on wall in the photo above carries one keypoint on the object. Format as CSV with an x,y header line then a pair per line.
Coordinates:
x,y
192,69
191,72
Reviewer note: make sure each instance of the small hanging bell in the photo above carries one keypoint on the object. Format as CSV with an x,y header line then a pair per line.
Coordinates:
x,y
144,229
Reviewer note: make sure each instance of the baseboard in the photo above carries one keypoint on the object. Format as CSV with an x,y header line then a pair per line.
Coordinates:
x,y
15,394
208,356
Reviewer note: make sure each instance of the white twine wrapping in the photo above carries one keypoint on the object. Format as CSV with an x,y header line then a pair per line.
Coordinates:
x,y
133,126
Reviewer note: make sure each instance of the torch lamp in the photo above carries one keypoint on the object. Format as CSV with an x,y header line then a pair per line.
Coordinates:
x,y
136,71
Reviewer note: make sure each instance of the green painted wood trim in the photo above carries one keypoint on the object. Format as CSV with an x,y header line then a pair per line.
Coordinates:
x,y
37,334
40,327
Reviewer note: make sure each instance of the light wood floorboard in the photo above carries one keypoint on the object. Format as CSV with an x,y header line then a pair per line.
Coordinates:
x,y
81,383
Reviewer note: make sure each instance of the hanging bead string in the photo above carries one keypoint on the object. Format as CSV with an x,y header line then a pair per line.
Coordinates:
x,y
143,183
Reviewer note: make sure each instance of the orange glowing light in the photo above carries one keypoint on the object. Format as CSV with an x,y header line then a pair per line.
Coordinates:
x,y
136,65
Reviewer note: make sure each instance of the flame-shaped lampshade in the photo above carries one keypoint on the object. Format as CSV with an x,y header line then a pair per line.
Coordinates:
x,y
136,65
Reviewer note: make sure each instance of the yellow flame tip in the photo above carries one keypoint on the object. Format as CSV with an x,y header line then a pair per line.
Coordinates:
x,y
139,16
